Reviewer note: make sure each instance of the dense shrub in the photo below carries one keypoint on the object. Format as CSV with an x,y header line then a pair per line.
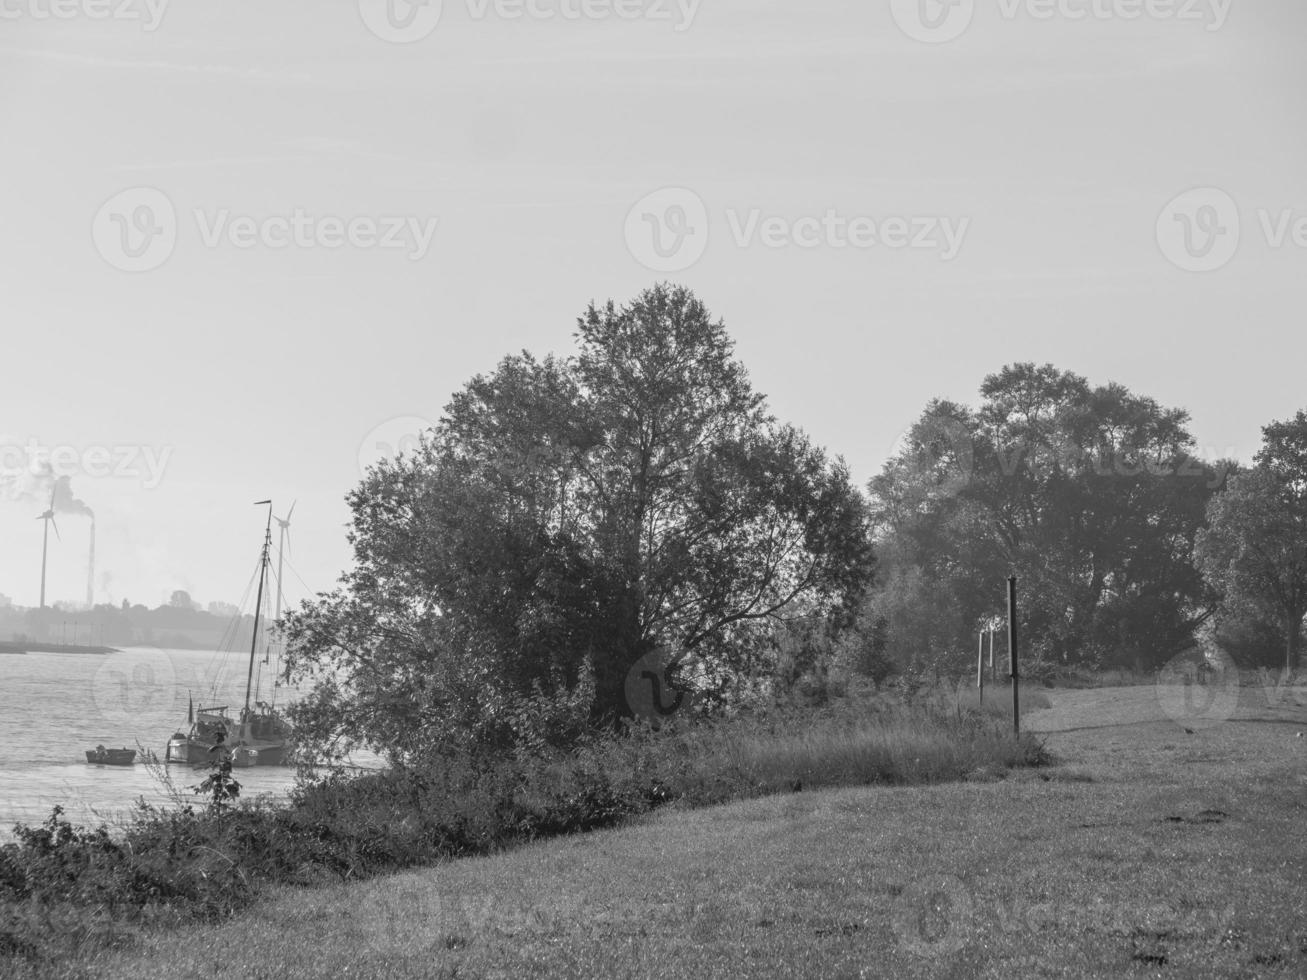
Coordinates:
x,y
62,886
1253,642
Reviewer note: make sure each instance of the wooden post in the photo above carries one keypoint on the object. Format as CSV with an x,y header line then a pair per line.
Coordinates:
x,y
1012,651
980,665
992,676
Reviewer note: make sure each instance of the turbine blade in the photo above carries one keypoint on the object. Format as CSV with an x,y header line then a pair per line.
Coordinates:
x,y
55,525
292,509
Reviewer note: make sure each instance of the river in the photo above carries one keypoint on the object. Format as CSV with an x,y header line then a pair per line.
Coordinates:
x,y
55,706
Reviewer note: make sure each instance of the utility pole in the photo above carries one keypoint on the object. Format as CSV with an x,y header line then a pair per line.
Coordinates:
x,y
1012,651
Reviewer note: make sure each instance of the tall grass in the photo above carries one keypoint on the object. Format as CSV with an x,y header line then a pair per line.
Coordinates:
x,y
908,749
183,863
936,737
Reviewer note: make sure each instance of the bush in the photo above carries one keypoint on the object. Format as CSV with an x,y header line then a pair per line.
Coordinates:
x,y
177,864
1252,642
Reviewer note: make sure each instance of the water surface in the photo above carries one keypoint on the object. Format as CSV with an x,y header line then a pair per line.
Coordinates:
x,y
55,706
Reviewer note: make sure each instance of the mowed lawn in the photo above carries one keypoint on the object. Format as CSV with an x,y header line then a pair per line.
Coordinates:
x,y
1147,851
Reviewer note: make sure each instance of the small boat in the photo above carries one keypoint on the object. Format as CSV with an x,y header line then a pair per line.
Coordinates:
x,y
259,735
101,756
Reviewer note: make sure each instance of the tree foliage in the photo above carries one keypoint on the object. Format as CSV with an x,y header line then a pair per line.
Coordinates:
x,y
1090,495
1254,550
567,517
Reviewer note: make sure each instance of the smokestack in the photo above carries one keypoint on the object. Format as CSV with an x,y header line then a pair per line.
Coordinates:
x,y
90,570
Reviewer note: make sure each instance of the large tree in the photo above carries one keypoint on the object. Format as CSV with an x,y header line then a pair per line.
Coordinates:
x,y
1254,550
1090,495
566,518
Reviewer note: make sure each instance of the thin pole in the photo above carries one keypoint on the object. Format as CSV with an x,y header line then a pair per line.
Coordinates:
x,y
281,560
1012,651
980,664
90,570
45,550
992,676
258,603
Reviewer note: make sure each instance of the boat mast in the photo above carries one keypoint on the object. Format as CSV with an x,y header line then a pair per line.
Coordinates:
x,y
258,604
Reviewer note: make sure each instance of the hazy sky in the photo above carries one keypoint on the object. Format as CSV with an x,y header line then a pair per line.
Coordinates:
x,y
220,281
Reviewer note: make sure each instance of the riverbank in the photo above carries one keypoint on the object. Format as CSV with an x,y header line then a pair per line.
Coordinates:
x,y
66,891
1149,849
32,646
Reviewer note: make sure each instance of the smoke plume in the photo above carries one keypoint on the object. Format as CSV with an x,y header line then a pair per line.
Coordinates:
x,y
64,500
40,485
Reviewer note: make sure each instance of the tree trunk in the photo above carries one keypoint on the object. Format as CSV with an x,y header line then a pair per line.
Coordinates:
x,y
1292,628
626,648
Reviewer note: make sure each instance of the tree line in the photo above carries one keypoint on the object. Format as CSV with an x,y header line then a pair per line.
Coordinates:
x,y
1128,545
571,521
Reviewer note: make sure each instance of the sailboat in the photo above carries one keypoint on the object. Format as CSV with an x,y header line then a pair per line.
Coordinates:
x,y
260,736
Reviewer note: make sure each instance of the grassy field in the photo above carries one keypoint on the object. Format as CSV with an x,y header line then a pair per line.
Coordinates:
x,y
1149,850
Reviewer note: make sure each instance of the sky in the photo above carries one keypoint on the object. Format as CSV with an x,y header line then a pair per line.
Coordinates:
x,y
247,248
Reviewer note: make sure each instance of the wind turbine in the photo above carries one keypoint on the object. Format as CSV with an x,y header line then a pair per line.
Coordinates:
x,y
48,517
284,524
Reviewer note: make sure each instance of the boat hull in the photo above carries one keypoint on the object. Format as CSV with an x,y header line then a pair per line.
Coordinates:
x,y
243,755
182,749
260,740
111,757
207,730
259,754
